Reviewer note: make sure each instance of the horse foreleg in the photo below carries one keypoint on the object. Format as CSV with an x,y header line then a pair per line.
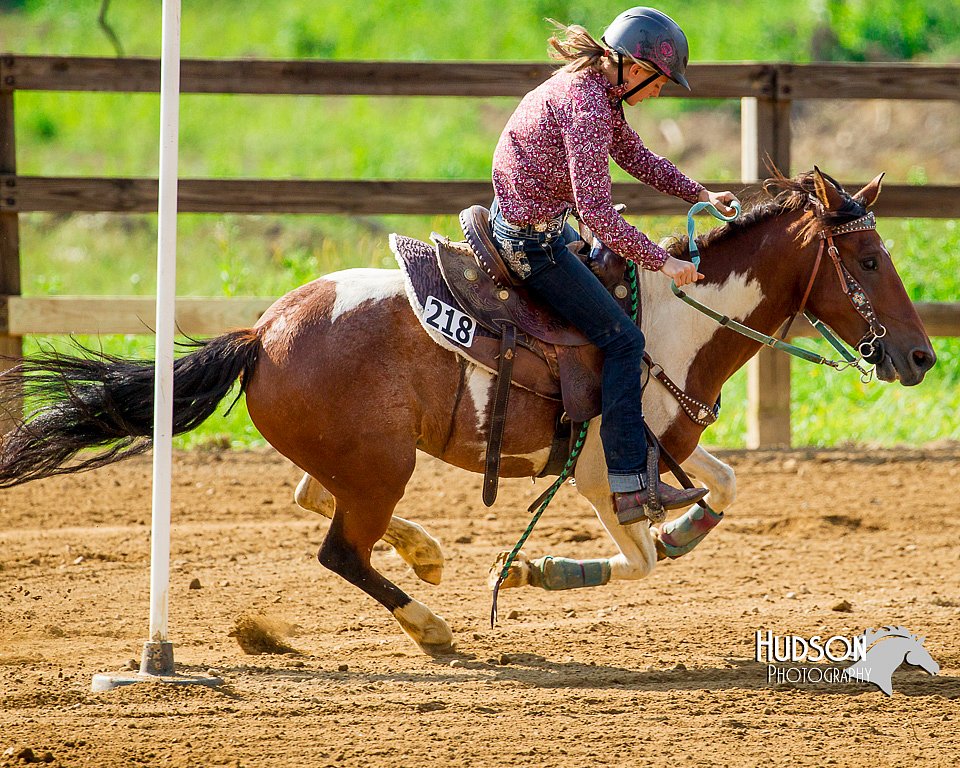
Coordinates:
x,y
715,475
638,553
416,547
676,537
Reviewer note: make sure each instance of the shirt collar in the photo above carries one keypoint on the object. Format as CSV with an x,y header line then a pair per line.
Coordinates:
x,y
615,92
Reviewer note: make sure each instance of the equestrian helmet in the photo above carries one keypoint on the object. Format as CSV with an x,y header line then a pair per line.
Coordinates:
x,y
651,36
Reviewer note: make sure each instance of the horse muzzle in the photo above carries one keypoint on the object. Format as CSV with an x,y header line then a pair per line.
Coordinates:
x,y
909,369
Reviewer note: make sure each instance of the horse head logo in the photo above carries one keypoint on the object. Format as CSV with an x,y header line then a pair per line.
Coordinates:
x,y
886,650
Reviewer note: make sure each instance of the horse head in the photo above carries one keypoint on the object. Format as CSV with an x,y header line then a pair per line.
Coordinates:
x,y
854,287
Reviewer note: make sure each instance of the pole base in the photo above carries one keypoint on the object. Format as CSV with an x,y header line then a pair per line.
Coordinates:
x,y
157,658
156,666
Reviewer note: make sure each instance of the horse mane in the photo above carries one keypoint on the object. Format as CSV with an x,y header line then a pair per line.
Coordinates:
x,y
782,194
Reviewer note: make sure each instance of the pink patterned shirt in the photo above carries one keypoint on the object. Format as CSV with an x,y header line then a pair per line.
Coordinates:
x,y
554,153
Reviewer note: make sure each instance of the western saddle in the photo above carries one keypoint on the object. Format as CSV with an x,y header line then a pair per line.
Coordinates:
x,y
526,343
487,290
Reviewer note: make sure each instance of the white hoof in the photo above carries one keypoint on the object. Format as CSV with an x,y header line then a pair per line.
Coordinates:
x,y
425,628
517,576
417,548
431,573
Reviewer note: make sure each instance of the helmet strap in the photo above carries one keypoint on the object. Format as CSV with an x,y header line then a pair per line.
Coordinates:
x,y
639,87
619,68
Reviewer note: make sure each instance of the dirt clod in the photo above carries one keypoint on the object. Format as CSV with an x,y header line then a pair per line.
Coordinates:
x,y
259,634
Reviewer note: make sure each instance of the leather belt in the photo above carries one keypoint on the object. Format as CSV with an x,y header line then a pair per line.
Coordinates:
x,y
549,228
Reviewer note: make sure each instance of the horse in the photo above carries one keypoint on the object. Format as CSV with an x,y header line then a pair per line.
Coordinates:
x,y
887,649
340,378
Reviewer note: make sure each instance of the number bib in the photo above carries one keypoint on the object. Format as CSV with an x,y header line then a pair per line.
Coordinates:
x,y
451,322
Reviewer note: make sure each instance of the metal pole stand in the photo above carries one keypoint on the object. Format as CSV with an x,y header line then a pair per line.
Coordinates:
x,y
156,666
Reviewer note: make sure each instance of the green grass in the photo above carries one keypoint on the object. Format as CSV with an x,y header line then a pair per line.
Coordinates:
x,y
413,138
267,256
397,29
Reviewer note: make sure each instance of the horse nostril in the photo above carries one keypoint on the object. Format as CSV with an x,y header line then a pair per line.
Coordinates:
x,y
923,359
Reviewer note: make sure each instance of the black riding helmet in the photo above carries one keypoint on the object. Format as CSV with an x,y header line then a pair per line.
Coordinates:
x,y
651,36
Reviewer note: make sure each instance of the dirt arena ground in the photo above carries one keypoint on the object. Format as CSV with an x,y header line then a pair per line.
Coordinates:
x,y
659,672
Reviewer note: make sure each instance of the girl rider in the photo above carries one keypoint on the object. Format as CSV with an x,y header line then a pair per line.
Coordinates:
x,y
553,158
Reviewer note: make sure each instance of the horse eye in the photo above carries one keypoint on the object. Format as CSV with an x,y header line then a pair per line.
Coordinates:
x,y
871,264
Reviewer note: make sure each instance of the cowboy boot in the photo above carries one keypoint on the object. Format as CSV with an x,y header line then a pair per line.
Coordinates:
x,y
655,498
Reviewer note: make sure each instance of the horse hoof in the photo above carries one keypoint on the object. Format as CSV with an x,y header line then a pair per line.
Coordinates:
x,y
438,649
518,574
425,628
431,573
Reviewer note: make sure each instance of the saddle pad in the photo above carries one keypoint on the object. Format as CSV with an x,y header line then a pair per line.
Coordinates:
x,y
441,316
494,305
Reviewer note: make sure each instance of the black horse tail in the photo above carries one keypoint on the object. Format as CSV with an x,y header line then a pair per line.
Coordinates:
x,y
95,400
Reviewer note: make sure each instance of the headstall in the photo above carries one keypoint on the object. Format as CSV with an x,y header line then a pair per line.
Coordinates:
x,y
852,289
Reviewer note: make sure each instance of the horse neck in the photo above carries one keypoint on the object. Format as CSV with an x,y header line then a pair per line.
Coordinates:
x,y
753,277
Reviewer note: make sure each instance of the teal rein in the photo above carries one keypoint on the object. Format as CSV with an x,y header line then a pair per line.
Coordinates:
x,y
743,330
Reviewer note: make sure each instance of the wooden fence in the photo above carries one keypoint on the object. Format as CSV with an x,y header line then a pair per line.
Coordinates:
x,y
766,90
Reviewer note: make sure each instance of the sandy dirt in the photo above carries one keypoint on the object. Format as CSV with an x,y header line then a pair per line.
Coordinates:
x,y
658,672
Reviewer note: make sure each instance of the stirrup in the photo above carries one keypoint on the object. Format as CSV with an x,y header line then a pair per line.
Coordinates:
x,y
654,506
653,501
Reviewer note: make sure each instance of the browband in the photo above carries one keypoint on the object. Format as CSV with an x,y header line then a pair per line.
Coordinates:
x,y
857,225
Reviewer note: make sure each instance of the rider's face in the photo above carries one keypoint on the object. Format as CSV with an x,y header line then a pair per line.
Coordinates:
x,y
636,76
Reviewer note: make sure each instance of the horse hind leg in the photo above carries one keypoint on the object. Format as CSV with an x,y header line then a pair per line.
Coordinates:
x,y
413,544
358,523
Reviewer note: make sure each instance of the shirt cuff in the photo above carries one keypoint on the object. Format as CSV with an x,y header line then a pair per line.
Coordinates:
x,y
654,258
694,196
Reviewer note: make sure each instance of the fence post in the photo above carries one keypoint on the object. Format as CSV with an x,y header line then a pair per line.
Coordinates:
x,y
765,130
10,346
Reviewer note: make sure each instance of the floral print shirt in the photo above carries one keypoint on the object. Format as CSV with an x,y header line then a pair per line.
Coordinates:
x,y
554,154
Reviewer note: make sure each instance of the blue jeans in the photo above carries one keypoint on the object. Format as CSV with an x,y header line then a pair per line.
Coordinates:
x,y
566,284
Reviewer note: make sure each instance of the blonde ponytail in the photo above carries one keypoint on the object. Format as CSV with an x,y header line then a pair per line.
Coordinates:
x,y
581,50
577,47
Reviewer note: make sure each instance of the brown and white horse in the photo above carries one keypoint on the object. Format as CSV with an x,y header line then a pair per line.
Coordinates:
x,y
341,379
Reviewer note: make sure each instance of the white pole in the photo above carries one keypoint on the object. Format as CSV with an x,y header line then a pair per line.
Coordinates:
x,y
166,298
157,660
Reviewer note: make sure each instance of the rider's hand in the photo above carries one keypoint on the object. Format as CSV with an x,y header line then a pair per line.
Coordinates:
x,y
682,272
720,200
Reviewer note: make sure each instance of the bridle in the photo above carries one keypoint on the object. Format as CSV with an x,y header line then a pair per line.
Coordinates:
x,y
867,346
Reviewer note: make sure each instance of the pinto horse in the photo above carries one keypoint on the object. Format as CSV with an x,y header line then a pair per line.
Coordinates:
x,y
341,379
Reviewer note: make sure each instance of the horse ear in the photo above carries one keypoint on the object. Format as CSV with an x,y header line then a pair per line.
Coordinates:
x,y
869,194
827,193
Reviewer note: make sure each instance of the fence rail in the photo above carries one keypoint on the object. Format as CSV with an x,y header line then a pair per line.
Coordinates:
x,y
25,194
766,91
205,316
